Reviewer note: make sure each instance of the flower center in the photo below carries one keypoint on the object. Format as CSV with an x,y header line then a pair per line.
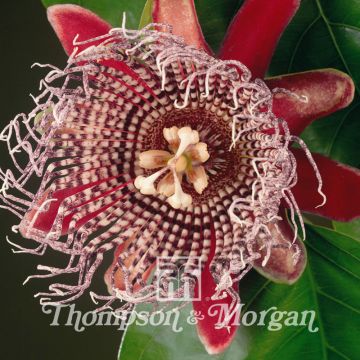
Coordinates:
x,y
184,159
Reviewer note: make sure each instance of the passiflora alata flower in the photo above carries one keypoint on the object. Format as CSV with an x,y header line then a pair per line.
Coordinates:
x,y
148,146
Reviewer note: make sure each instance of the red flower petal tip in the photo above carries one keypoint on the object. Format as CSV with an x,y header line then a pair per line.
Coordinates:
x,y
41,218
326,90
71,20
115,276
215,338
181,15
286,264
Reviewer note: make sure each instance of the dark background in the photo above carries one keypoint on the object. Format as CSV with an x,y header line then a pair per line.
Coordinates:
x,y
25,38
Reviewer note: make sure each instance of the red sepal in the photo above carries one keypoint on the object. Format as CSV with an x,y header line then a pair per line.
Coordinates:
x,y
71,20
327,91
215,340
181,15
254,32
286,264
341,186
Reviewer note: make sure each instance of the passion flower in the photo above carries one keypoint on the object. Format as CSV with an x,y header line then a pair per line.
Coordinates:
x,y
149,147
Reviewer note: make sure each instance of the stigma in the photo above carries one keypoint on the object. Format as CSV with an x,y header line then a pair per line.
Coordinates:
x,y
183,160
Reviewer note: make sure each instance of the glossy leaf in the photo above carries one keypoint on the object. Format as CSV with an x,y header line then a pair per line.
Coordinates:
x,y
109,10
337,136
215,17
329,286
146,15
351,229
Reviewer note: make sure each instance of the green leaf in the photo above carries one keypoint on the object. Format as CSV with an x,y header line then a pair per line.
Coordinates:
x,y
351,229
146,16
337,136
329,287
214,17
109,10
326,33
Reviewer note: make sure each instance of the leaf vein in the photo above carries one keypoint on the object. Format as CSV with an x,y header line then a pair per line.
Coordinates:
x,y
337,131
291,62
316,303
332,261
334,40
338,301
346,26
338,352
261,289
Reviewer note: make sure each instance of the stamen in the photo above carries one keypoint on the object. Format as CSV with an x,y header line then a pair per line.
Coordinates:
x,y
171,136
180,164
166,185
179,199
198,177
188,154
199,152
146,184
187,137
153,159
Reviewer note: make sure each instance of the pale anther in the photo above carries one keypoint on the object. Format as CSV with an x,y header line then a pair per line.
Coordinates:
x,y
186,156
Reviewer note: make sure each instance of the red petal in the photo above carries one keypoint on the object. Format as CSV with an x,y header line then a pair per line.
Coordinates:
x,y
341,185
255,31
327,90
281,267
119,275
45,219
215,340
71,20
181,15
